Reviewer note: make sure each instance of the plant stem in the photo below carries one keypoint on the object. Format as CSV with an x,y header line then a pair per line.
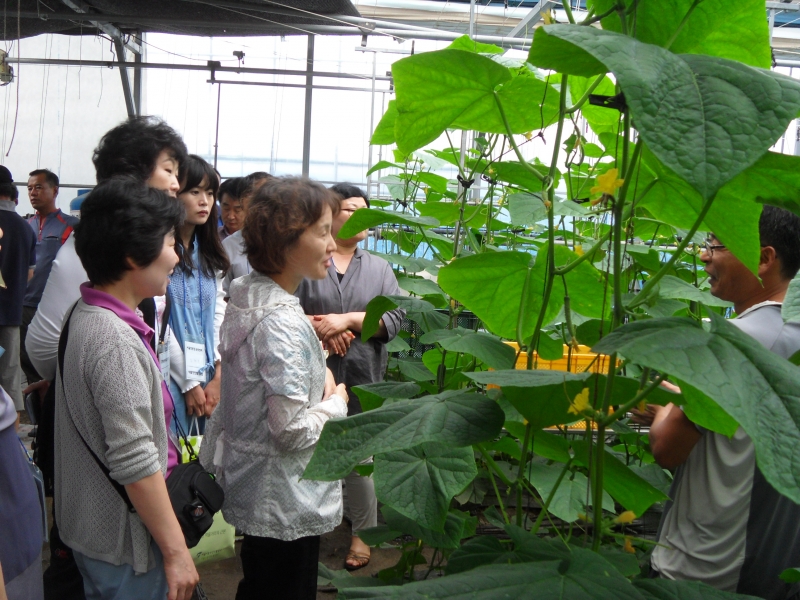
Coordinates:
x,y
620,412
641,297
510,136
599,458
523,302
604,238
682,24
568,9
490,462
550,497
499,500
582,100
522,461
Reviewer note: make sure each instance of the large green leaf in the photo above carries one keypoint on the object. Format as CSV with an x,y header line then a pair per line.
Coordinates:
x,y
446,213
483,346
734,30
525,209
624,485
380,305
570,498
759,389
672,287
456,88
466,43
419,285
384,132
420,482
485,550
518,174
669,589
584,576
600,119
733,216
457,417
491,284
791,303
706,118
365,218
457,525
372,395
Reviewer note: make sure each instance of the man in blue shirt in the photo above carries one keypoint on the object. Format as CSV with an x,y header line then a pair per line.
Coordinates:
x,y
17,259
51,228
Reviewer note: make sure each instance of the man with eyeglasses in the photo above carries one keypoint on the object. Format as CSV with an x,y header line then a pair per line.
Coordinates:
x,y
726,525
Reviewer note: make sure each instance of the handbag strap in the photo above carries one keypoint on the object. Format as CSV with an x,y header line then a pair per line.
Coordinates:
x,y
165,318
62,349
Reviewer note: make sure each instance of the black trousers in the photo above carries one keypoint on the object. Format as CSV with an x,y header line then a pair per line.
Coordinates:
x,y
277,569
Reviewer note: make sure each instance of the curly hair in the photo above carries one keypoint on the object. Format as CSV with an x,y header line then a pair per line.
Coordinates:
x,y
132,148
123,219
281,210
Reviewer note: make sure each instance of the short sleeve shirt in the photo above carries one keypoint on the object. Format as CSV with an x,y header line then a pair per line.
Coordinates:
x,y
50,232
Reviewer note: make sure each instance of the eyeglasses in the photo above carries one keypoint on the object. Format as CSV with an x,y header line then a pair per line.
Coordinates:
x,y
709,247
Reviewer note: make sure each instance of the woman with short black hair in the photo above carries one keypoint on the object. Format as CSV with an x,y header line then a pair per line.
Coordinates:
x,y
113,408
278,394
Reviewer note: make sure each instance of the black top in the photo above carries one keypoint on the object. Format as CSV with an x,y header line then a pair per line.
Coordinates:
x,y
17,255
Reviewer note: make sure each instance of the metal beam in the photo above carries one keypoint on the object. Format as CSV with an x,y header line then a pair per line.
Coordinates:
x,y
180,67
130,103
531,18
137,83
307,119
232,27
80,7
295,85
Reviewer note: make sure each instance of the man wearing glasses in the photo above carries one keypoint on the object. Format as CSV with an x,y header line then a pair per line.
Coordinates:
x,y
726,526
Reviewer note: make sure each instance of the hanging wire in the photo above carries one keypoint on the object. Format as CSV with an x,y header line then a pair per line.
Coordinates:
x,y
19,54
64,110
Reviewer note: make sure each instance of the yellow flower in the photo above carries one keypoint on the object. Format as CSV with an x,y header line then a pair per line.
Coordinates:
x,y
580,403
625,518
528,136
578,250
628,547
607,183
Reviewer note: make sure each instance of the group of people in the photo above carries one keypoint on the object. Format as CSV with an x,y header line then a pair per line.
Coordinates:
x,y
148,320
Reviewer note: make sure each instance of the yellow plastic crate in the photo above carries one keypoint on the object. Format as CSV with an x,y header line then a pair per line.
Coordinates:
x,y
581,360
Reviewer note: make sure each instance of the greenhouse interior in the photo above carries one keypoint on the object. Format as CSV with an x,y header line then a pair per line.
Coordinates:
x,y
574,374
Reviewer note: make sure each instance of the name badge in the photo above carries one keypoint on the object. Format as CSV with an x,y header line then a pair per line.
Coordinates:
x,y
195,356
163,360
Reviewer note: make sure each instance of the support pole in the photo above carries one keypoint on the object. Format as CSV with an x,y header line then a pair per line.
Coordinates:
x,y
371,121
216,135
307,120
126,84
137,82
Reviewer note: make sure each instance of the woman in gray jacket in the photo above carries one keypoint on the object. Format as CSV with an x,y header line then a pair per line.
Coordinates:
x,y
278,393
113,407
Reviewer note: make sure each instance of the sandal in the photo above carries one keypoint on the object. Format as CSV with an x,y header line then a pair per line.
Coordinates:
x,y
361,559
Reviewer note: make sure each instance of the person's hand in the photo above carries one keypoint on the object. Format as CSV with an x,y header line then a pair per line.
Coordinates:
x,y
212,394
330,384
181,575
196,401
670,387
341,391
39,387
330,325
646,416
339,343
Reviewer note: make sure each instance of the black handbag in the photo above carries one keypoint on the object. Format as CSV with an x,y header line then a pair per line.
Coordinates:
x,y
194,492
